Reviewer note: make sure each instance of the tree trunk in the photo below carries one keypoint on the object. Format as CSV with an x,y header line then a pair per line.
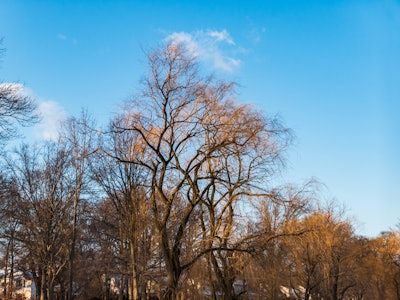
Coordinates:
x,y
43,288
134,272
121,287
172,263
173,274
335,285
50,292
172,284
6,271
38,282
72,249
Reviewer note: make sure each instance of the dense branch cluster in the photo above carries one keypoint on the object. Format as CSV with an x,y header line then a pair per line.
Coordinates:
x,y
174,200
15,107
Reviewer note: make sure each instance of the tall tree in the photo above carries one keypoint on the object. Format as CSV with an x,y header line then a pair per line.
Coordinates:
x,y
123,185
78,136
184,122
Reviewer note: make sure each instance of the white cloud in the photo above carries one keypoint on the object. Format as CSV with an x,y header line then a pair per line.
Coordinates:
x,y
226,63
222,36
212,47
52,114
185,38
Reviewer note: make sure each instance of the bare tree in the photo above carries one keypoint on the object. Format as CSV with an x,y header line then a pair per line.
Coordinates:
x,y
183,123
78,136
42,211
123,185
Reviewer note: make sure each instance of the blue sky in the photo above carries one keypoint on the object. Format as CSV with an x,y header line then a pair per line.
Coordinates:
x,y
330,69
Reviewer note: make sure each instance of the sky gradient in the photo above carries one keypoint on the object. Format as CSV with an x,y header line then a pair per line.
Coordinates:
x,y
329,69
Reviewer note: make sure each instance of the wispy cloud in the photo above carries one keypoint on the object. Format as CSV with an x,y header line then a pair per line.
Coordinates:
x,y
63,37
256,34
222,36
254,31
52,114
187,39
214,47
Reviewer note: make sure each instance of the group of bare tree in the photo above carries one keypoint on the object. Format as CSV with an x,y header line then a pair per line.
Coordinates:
x,y
174,199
